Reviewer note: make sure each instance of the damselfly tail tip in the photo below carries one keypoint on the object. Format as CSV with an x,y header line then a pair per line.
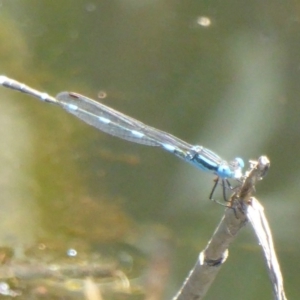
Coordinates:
x,y
3,79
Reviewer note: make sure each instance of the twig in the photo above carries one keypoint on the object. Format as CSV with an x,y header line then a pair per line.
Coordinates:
x,y
214,255
255,214
25,271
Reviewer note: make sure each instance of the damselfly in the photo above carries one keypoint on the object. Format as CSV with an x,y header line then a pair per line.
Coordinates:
x,y
120,125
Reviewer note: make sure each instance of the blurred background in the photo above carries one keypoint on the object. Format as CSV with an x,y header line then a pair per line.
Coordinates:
x,y
222,75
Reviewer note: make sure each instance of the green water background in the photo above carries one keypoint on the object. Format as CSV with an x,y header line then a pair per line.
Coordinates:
x,y
232,86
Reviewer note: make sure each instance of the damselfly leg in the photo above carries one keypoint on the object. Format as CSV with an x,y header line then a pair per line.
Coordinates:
x,y
226,185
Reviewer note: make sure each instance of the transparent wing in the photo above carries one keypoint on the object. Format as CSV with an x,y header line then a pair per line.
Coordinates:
x,y
115,123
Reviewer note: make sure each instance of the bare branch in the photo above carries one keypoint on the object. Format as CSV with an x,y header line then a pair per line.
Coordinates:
x,y
255,214
214,255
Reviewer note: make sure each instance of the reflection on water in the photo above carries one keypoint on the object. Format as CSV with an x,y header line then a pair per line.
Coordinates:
x,y
50,269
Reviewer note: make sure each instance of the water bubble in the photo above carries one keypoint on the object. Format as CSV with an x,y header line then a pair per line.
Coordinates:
x,y
90,7
102,94
71,252
204,21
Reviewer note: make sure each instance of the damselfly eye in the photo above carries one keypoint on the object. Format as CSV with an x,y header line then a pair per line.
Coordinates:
x,y
239,162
